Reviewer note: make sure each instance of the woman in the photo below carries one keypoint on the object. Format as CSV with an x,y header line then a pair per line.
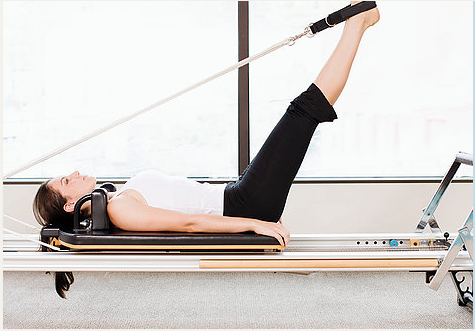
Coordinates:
x,y
152,201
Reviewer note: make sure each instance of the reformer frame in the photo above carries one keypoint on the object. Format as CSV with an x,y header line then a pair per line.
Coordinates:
x,y
435,253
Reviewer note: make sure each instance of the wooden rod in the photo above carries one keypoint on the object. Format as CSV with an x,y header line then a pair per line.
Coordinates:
x,y
313,263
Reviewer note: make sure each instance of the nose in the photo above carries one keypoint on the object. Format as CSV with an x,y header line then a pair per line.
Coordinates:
x,y
74,174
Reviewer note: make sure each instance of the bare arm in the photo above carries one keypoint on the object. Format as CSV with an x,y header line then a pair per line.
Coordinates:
x,y
220,224
216,223
131,215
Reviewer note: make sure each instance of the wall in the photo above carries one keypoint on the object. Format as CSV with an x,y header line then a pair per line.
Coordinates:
x,y
324,208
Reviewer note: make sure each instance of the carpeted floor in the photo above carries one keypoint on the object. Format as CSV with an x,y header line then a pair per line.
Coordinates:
x,y
232,300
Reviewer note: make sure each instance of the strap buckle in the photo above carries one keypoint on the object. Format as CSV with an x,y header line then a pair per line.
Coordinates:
x,y
308,31
329,25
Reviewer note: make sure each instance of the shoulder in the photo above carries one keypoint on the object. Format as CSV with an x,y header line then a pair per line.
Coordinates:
x,y
126,200
117,204
121,209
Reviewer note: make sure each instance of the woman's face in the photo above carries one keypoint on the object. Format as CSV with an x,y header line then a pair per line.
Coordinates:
x,y
74,186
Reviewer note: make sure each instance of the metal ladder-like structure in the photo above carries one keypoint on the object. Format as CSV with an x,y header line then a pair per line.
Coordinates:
x,y
464,239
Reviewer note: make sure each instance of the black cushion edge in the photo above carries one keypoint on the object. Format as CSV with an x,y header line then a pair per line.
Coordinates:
x,y
119,237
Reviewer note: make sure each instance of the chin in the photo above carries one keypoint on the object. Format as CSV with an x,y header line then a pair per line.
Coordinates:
x,y
92,181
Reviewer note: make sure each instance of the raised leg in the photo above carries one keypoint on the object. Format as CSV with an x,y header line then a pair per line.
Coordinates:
x,y
334,74
262,189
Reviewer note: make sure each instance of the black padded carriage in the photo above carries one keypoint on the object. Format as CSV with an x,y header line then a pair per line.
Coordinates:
x,y
98,233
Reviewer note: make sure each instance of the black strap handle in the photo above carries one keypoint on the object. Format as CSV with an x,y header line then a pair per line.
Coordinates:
x,y
77,210
342,15
109,187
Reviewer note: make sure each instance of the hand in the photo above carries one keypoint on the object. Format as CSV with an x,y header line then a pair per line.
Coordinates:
x,y
271,229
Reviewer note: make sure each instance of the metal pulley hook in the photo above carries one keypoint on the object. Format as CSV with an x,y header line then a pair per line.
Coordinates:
x,y
306,32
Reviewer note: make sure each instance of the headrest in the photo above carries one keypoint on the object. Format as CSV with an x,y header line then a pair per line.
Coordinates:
x,y
99,219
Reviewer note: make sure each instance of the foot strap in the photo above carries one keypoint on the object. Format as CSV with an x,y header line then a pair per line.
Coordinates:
x,y
342,15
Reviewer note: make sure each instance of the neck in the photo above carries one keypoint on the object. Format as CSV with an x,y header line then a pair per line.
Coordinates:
x,y
86,209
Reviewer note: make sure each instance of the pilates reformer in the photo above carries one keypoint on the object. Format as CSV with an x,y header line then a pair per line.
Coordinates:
x,y
94,244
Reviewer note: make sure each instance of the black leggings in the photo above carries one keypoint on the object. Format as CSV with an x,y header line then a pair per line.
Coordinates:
x,y
261,190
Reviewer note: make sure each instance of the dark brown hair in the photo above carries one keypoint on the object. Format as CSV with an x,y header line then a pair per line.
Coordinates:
x,y
48,207
48,210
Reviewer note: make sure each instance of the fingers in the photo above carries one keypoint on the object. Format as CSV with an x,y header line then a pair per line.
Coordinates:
x,y
279,239
283,232
275,230
279,235
287,238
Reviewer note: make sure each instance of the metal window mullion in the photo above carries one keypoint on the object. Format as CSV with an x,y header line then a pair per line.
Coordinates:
x,y
243,87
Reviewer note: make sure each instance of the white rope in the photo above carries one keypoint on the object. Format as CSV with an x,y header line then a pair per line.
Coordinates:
x,y
21,222
30,239
288,41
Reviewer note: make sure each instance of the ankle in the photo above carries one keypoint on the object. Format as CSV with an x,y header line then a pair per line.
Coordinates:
x,y
357,25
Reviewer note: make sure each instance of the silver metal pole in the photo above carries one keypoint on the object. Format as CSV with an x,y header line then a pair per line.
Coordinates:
x,y
427,216
464,158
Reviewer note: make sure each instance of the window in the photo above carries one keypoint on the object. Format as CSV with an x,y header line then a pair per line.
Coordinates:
x,y
407,106
71,67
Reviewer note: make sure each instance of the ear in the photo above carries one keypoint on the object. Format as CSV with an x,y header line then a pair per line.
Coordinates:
x,y
69,207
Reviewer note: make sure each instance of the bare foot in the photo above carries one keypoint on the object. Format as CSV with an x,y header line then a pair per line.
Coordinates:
x,y
367,18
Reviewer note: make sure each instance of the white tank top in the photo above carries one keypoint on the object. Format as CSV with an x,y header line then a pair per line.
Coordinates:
x,y
177,193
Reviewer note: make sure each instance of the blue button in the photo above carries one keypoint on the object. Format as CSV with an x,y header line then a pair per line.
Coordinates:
x,y
393,243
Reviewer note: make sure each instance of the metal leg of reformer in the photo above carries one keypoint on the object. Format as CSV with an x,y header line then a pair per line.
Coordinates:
x,y
428,212
464,297
305,273
467,240
463,237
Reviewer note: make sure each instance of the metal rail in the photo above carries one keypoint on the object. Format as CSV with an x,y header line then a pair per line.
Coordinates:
x,y
310,248
190,262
